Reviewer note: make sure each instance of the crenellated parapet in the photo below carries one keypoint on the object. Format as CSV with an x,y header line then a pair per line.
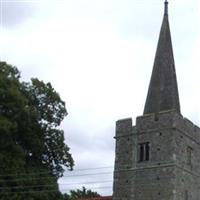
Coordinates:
x,y
167,119
152,122
124,127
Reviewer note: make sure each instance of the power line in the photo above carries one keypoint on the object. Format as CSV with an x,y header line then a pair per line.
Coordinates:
x,y
50,191
86,169
49,172
47,177
26,187
53,185
97,188
29,192
91,182
75,175
25,174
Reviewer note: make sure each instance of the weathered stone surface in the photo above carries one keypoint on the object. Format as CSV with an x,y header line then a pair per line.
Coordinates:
x,y
170,173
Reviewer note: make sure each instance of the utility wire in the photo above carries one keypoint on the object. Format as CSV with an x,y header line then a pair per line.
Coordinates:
x,y
83,183
47,177
53,185
50,172
77,175
86,169
50,191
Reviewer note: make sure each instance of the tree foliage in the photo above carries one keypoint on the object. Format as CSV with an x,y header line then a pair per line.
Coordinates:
x,y
32,148
80,194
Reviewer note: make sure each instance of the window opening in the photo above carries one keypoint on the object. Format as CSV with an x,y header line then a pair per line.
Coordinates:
x,y
144,149
189,155
186,195
141,152
147,151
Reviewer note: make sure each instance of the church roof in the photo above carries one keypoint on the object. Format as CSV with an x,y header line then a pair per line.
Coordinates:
x,y
163,90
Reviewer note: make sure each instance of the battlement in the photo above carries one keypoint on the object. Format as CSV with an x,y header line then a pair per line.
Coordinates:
x,y
124,127
188,128
156,121
167,119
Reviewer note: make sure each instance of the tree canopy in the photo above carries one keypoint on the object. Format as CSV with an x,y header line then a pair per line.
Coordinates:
x,y
80,194
33,153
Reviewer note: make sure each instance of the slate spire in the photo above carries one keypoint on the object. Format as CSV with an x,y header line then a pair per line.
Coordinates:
x,y
163,90
166,8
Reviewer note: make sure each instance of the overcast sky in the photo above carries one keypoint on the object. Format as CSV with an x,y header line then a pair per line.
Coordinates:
x,y
98,54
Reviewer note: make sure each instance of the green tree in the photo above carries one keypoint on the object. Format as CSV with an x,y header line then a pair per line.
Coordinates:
x,y
78,194
32,149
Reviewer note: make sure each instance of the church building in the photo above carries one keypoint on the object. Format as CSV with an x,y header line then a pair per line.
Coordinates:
x,y
159,157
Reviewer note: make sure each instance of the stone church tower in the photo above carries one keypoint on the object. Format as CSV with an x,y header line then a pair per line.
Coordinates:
x,y
159,157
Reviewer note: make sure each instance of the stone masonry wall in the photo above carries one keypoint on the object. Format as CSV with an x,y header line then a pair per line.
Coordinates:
x,y
124,160
173,169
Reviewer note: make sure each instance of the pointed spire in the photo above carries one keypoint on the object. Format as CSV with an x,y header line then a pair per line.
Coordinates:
x,y
166,7
163,89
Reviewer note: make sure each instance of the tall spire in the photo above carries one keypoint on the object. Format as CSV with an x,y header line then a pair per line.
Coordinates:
x,y
166,7
163,90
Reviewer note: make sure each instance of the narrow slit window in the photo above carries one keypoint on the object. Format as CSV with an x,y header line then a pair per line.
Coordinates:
x,y
189,155
186,195
144,151
147,151
141,152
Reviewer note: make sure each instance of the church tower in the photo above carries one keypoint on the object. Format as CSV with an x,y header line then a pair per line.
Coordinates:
x,y
159,157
